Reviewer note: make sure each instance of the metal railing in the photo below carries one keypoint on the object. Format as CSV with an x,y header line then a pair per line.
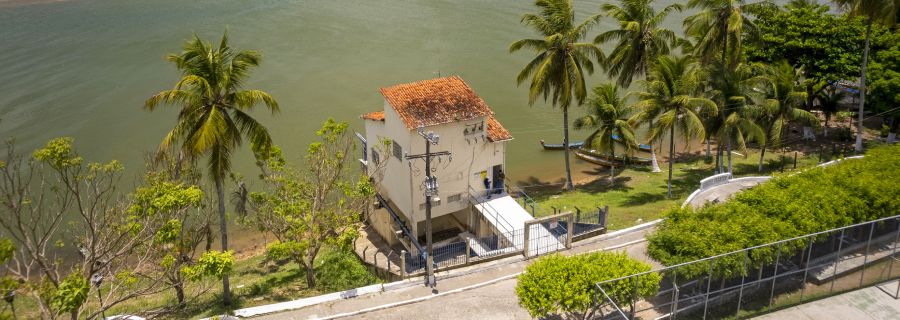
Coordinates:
x,y
500,220
795,271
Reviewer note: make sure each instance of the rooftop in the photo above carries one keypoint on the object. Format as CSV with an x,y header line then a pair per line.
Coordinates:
x,y
435,101
439,101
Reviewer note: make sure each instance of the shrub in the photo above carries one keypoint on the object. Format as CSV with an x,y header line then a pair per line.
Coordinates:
x,y
338,270
567,285
851,192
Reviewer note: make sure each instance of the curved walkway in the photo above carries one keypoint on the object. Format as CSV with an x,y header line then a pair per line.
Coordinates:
x,y
722,192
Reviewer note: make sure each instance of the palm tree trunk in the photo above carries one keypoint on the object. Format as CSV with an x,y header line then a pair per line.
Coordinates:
x,y
671,157
862,88
762,155
223,229
708,155
729,155
566,146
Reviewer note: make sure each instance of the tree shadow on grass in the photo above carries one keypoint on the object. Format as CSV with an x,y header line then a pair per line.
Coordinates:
x,y
266,286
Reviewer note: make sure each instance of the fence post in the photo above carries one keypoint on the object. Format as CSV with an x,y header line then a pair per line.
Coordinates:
x,y
795,159
468,251
862,273
569,231
525,241
364,253
403,264
782,162
601,218
577,214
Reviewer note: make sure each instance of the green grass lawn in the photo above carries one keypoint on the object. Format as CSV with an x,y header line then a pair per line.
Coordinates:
x,y
637,195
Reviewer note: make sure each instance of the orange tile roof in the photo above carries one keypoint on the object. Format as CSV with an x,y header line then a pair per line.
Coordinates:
x,y
375,115
435,101
496,132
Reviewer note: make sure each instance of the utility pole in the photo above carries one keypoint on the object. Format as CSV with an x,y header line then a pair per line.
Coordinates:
x,y
431,190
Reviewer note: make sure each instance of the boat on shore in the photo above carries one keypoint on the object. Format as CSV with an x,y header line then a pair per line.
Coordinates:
x,y
619,160
581,154
580,144
560,146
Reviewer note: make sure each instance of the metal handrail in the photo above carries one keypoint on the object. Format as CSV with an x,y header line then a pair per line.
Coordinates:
x,y
896,217
474,195
400,223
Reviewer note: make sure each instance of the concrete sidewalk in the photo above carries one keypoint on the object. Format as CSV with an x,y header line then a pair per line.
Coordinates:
x,y
482,291
864,304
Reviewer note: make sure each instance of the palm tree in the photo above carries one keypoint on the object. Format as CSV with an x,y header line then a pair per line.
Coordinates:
x,y
785,97
874,11
213,119
608,114
669,100
639,38
830,103
736,91
557,72
719,26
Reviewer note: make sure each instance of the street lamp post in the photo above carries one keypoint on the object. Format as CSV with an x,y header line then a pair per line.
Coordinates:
x,y
431,190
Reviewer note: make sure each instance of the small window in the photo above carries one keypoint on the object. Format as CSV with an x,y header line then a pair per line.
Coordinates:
x,y
398,151
376,158
454,198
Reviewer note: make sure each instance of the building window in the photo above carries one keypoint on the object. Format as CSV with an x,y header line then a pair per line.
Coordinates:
x,y
454,198
398,151
376,158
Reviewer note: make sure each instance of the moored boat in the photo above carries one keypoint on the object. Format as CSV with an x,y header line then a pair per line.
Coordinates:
x,y
581,154
560,146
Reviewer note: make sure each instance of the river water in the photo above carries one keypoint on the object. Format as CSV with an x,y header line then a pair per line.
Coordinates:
x,y
83,68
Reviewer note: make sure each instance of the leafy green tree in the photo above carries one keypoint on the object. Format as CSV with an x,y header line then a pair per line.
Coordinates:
x,y
213,120
608,114
639,38
884,76
670,102
783,104
318,206
825,46
55,204
557,72
566,285
736,91
873,11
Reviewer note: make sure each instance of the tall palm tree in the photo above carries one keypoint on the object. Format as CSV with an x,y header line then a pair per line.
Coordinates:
x,y
213,120
608,114
669,100
736,91
639,38
874,11
557,72
830,103
719,27
785,97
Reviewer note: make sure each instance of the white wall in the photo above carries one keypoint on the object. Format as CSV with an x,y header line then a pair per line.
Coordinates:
x,y
402,182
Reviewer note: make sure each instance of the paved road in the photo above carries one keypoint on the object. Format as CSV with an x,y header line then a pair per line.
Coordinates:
x,y
479,292
721,193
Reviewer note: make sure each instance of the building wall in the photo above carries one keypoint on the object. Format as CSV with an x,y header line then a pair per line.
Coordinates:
x,y
403,180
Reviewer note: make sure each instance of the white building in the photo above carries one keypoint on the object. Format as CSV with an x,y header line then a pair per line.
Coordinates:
x,y
467,129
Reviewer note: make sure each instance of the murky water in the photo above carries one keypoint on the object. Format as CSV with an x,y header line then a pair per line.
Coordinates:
x,y
83,68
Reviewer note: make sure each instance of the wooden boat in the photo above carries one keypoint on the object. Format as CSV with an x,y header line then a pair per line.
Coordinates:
x,y
592,159
580,144
560,146
641,147
618,159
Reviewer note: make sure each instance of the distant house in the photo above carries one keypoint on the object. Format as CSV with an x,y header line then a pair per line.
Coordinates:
x,y
467,128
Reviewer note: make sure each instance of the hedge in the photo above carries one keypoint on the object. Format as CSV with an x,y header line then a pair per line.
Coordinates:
x,y
818,199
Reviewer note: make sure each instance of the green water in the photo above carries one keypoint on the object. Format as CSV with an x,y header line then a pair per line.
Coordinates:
x,y
83,68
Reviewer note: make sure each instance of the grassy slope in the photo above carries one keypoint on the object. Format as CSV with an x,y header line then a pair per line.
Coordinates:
x,y
638,193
